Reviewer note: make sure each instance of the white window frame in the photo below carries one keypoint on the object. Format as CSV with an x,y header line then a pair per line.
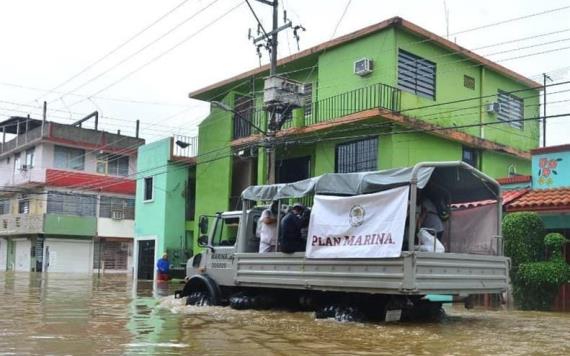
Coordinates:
x,y
144,189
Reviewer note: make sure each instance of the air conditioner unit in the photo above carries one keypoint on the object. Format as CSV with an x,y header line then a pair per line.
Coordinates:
x,y
117,215
363,67
493,108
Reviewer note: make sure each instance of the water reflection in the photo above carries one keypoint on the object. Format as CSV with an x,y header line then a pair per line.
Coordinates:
x,y
79,314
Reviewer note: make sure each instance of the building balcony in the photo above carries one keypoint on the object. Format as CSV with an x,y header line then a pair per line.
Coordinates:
x,y
29,132
21,224
184,147
50,224
377,95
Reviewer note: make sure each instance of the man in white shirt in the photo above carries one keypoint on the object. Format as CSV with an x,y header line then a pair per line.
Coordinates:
x,y
268,229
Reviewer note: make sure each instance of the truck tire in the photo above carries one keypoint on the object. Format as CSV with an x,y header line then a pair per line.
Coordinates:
x,y
201,286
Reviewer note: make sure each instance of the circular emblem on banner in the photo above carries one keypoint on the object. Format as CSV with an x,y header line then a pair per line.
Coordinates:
x,y
356,215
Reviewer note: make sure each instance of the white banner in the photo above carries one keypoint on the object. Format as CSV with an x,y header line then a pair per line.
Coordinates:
x,y
363,226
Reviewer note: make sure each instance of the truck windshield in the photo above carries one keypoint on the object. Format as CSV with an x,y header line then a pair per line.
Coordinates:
x,y
226,231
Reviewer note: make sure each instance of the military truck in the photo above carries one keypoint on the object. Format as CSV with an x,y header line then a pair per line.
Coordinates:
x,y
473,262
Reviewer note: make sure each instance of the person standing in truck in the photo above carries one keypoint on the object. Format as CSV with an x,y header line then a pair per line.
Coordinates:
x,y
268,229
163,268
290,237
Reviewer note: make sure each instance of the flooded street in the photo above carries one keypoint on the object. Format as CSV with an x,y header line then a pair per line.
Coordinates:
x,y
80,314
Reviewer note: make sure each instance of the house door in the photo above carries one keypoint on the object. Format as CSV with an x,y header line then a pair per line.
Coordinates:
x,y
293,169
145,260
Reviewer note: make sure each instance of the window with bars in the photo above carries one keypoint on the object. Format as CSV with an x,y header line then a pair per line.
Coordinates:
x,y
23,204
416,74
113,207
357,156
511,109
4,206
243,112
71,204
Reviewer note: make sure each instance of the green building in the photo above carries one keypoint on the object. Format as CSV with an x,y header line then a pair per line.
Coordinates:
x,y
164,204
388,95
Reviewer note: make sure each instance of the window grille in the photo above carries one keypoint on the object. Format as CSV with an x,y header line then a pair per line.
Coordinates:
x,y
416,74
511,109
71,204
148,189
357,156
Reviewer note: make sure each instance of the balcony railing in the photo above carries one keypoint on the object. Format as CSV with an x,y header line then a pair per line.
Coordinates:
x,y
184,146
373,96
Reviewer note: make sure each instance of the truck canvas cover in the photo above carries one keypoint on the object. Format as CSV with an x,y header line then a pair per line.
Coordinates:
x,y
463,183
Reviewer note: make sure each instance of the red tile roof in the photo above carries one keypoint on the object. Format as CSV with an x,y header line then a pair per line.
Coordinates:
x,y
550,149
514,179
508,196
542,200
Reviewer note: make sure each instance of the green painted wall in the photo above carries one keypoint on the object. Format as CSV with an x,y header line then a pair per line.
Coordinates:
x,y
336,72
214,169
450,72
164,216
55,224
497,164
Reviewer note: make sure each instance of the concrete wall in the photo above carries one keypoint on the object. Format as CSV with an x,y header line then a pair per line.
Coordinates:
x,y
3,254
551,170
164,216
107,227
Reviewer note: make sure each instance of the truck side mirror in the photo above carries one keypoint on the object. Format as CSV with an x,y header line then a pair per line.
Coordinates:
x,y
202,240
203,224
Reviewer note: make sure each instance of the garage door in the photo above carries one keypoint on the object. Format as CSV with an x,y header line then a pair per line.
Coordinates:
x,y
71,256
22,259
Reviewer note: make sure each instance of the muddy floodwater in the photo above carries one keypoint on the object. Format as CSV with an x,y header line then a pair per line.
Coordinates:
x,y
82,315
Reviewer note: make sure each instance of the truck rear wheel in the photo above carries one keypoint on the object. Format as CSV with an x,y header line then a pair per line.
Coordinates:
x,y
198,299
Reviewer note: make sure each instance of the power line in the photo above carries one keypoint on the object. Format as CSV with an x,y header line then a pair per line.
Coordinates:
x,y
114,50
140,50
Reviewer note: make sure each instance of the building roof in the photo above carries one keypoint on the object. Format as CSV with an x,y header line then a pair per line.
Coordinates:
x,y
514,180
507,195
542,200
394,21
551,149
11,124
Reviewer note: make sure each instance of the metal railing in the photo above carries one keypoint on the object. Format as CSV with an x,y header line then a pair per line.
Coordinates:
x,y
184,146
373,96
377,95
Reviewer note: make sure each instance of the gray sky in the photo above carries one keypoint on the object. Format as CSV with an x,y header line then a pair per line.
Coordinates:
x,y
45,43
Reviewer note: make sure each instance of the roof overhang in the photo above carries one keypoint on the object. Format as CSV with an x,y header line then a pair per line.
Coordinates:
x,y
202,94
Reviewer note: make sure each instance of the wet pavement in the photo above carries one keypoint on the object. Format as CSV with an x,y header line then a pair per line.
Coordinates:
x,y
80,315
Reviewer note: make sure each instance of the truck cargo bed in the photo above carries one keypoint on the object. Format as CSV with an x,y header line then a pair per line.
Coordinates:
x,y
414,273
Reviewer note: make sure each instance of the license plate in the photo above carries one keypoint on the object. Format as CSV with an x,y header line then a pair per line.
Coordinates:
x,y
393,315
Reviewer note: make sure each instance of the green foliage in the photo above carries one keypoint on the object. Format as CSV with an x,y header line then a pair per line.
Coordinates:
x,y
537,283
554,243
523,234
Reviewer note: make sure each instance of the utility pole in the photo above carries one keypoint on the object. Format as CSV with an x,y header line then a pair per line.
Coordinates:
x,y
275,105
544,78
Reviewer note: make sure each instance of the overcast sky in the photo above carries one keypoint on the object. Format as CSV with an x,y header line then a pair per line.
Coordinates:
x,y
44,44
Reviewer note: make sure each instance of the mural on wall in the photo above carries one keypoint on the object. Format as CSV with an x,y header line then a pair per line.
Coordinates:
x,y
547,171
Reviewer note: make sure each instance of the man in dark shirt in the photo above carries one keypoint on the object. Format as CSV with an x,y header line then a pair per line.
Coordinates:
x,y
290,237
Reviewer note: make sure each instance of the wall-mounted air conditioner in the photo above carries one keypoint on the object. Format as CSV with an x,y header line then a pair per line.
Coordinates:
x,y
493,108
117,215
363,67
